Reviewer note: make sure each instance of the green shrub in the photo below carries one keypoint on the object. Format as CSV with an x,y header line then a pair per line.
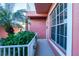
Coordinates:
x,y
20,38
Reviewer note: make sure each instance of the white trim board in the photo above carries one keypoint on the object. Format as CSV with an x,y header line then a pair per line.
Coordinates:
x,y
69,30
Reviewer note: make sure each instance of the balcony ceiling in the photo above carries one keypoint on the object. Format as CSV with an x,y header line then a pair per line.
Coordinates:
x,y
42,7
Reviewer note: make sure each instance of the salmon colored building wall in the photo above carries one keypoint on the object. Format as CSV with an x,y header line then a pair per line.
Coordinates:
x,y
3,33
75,18
38,23
39,26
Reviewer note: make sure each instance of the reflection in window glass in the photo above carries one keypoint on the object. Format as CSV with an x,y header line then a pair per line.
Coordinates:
x,y
57,29
62,29
59,25
61,7
65,14
58,39
61,17
57,19
58,9
65,5
54,21
65,29
61,40
65,42
53,33
54,14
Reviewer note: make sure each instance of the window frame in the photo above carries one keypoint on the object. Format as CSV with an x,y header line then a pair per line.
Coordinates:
x,y
69,29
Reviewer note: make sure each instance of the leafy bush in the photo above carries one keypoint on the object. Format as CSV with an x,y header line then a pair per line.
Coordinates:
x,y
20,38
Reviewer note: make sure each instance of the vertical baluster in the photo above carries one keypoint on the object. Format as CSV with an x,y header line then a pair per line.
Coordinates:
x,y
29,50
4,51
18,51
13,51
9,51
23,51
0,51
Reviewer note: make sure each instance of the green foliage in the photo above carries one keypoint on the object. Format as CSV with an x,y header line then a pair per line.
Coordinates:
x,y
20,38
6,18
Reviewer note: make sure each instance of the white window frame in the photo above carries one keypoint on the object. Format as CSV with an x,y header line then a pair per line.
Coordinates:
x,y
69,33
69,30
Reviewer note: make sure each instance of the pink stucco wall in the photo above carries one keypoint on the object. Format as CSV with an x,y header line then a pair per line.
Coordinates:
x,y
75,19
39,26
3,33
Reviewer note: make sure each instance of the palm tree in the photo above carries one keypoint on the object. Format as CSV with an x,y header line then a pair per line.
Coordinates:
x,y
6,18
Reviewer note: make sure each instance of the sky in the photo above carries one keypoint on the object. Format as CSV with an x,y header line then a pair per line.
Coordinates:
x,y
19,6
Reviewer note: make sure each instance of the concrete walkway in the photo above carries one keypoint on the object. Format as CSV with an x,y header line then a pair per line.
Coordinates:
x,y
43,48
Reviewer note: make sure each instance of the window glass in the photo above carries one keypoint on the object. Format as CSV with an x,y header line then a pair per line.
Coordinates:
x,y
61,7
61,41
58,39
65,41
59,25
65,29
57,19
54,21
53,33
53,14
57,29
62,29
65,14
65,5
58,9
61,17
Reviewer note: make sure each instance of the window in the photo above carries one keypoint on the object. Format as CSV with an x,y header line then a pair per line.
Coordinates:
x,y
61,17
53,33
59,25
61,7
58,9
57,19
65,14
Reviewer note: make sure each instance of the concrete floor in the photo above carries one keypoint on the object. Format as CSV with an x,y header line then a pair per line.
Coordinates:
x,y
43,48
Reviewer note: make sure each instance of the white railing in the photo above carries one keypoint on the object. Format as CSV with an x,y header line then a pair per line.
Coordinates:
x,y
19,50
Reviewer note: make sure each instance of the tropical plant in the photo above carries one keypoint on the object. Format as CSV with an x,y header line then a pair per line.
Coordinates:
x,y
20,38
6,18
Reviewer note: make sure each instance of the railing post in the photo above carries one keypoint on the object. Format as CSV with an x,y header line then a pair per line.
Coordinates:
x,y
14,51
0,51
18,51
4,52
23,51
28,50
9,51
